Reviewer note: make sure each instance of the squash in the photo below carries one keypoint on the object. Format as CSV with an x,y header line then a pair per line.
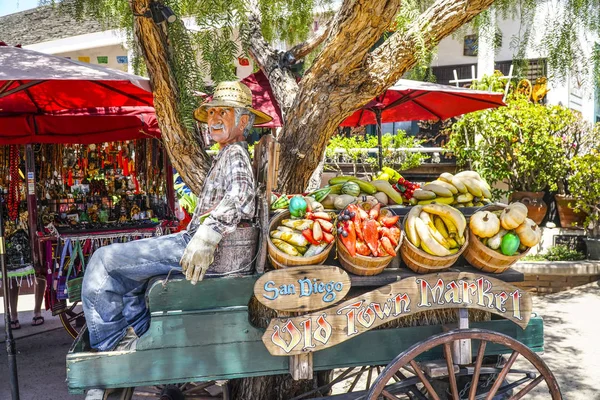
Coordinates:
x,y
513,215
510,244
328,201
484,224
382,198
343,200
495,241
529,233
351,188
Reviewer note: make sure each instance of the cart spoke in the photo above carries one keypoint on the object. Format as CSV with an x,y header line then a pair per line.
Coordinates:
x,y
424,380
451,375
480,355
356,379
527,388
369,378
502,375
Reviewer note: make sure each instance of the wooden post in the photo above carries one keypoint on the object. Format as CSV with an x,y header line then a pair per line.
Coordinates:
x,y
31,202
461,349
301,365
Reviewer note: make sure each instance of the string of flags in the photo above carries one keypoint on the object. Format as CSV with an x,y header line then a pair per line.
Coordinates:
x,y
101,59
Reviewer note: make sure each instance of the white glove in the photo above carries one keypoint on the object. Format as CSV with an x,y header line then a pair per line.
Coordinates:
x,y
199,253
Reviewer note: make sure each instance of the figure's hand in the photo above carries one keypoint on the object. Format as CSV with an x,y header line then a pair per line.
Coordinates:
x,y
199,253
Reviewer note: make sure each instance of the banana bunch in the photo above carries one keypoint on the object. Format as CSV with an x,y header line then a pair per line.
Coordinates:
x,y
465,189
438,229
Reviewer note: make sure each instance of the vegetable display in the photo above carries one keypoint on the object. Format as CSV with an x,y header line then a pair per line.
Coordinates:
x,y
507,231
465,189
306,235
438,229
368,230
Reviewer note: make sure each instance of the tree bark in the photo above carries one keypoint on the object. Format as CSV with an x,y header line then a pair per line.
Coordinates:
x,y
183,146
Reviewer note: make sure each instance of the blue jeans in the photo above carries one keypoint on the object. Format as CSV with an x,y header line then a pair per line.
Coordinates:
x,y
115,282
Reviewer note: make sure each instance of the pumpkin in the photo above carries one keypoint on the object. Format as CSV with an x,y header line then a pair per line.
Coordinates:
x,y
513,215
529,233
510,244
484,224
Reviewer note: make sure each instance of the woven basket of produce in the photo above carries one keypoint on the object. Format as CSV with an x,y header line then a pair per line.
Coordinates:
x,y
296,242
435,236
499,236
368,238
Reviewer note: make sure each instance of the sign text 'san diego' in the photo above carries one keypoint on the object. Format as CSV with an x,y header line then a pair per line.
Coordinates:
x,y
328,327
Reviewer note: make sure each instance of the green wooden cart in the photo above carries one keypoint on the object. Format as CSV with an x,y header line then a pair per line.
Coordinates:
x,y
201,336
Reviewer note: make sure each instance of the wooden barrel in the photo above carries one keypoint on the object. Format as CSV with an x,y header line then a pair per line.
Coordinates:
x,y
279,259
482,257
363,265
423,262
485,259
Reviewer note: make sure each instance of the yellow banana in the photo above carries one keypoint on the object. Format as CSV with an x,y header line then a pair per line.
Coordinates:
x,y
427,241
447,185
473,186
485,189
469,204
439,200
452,231
446,177
464,198
459,185
438,189
453,243
439,225
443,210
469,174
409,227
421,194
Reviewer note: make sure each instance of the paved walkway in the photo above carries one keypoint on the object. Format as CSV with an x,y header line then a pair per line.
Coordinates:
x,y
572,344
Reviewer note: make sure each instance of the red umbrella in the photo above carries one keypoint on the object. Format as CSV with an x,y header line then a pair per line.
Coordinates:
x,y
51,99
263,98
415,101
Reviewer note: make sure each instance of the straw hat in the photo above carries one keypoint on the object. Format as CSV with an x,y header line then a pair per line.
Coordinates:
x,y
231,94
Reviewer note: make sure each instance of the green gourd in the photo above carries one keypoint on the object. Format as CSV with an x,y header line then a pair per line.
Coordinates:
x,y
297,206
510,244
351,188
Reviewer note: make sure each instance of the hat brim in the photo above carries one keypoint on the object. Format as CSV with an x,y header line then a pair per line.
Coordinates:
x,y
201,115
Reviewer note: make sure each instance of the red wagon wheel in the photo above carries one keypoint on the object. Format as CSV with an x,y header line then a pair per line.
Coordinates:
x,y
404,372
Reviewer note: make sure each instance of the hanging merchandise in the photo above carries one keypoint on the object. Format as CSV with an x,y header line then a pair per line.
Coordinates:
x,y
14,191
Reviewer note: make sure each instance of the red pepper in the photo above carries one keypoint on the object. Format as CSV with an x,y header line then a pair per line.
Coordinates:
x,y
307,233
362,248
389,221
326,225
374,212
350,239
371,235
327,237
387,246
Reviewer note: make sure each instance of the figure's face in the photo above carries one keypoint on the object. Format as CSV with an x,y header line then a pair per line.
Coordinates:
x,y
221,125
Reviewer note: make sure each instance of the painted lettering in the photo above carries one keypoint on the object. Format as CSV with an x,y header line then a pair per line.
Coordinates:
x,y
307,325
295,336
516,300
452,294
387,309
368,312
350,317
436,291
323,331
468,288
398,300
270,287
500,301
484,294
305,287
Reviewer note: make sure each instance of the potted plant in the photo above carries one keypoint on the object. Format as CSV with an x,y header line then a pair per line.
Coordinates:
x,y
577,139
518,145
584,185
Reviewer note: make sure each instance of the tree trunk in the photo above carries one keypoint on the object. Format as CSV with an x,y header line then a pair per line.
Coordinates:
x,y
183,145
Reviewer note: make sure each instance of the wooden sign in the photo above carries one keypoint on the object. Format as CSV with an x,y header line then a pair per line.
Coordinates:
x,y
302,289
326,328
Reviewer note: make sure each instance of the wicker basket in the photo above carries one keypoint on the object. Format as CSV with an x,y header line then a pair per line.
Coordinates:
x,y
424,263
485,259
363,265
279,259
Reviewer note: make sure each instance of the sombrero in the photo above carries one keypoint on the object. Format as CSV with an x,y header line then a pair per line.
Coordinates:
x,y
231,94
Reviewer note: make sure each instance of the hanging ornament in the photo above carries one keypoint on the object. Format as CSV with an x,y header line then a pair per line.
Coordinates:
x,y
14,190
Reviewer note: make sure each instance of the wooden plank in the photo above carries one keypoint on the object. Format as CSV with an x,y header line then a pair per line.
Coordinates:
x,y
250,358
302,289
179,295
344,321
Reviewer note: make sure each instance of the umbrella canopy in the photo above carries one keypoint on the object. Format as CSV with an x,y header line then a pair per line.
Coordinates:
x,y
51,99
416,101
263,98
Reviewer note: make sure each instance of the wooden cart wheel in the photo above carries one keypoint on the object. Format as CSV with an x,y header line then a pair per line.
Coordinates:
x,y
404,372
73,319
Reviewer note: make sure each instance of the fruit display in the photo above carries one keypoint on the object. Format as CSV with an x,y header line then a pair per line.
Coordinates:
x,y
507,231
307,233
438,229
368,230
465,189
343,190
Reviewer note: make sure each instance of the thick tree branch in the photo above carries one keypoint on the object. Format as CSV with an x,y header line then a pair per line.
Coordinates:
x,y
273,64
301,50
183,146
433,25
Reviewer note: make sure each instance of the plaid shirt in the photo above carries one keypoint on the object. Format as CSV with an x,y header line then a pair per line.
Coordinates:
x,y
228,193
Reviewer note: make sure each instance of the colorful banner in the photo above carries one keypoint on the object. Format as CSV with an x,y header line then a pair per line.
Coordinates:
x,y
122,59
84,59
102,59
